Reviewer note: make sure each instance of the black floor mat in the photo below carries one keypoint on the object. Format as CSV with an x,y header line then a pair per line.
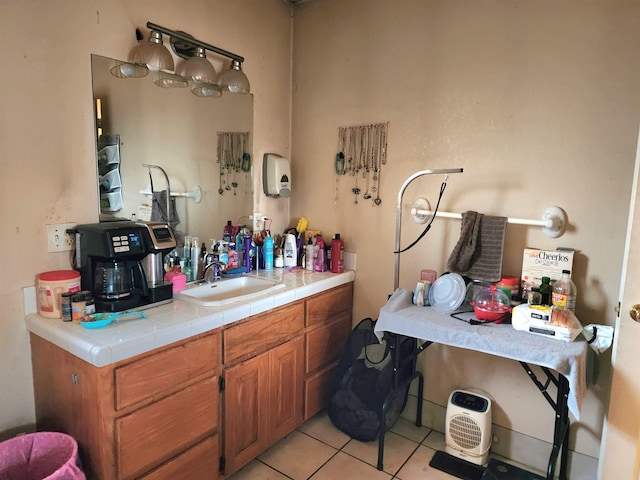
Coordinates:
x,y
498,470
456,466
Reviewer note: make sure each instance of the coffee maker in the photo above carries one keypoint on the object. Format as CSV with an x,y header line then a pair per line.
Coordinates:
x,y
121,263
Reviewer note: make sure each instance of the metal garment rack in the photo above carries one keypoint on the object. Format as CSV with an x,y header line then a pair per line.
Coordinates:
x,y
407,182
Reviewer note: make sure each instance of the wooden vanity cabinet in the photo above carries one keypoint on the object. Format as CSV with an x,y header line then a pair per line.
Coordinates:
x,y
156,416
263,376
145,417
327,326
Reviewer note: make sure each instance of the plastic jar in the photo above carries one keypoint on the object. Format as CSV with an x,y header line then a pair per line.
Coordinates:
x,y
511,287
51,285
78,304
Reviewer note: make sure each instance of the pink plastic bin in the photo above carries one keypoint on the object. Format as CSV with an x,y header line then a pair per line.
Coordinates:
x,y
40,456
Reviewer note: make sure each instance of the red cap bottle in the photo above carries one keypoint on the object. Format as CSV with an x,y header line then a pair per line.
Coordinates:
x,y
337,254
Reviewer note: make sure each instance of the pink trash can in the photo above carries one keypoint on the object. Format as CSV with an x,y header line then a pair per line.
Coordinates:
x,y
40,456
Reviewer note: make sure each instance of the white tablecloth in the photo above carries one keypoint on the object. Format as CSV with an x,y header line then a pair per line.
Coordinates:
x,y
398,315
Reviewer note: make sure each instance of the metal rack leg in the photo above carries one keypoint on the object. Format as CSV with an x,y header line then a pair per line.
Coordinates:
x,y
387,404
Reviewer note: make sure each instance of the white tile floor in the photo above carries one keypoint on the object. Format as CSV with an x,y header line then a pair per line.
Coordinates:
x,y
319,451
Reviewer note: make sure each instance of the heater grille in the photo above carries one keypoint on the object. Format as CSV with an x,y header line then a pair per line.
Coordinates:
x,y
465,432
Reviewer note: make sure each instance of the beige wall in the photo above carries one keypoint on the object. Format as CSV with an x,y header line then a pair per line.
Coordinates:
x,y
47,147
537,101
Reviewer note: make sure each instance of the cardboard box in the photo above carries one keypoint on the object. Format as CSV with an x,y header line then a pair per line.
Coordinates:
x,y
538,263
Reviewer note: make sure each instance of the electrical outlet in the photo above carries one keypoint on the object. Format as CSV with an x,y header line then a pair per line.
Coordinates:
x,y
58,240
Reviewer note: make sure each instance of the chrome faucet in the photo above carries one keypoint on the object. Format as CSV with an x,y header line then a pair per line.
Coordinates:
x,y
212,268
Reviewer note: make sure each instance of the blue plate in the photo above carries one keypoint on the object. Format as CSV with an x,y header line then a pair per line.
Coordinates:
x,y
447,293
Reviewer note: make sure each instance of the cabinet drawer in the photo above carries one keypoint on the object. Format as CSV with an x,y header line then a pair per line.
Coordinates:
x,y
157,432
325,344
327,305
155,373
261,332
200,462
317,389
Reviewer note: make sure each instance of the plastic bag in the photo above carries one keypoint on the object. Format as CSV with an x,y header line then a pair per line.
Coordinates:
x,y
599,337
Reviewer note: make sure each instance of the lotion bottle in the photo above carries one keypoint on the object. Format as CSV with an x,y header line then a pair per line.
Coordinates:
x,y
290,251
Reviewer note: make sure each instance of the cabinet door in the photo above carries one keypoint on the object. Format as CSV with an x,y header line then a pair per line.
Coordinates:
x,y
246,416
285,387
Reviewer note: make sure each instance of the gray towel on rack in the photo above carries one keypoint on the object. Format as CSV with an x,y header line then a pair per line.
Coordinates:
x,y
478,253
159,207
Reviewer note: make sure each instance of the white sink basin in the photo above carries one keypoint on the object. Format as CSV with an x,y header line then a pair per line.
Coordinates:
x,y
229,290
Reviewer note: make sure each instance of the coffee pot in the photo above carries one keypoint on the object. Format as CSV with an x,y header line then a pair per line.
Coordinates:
x,y
116,279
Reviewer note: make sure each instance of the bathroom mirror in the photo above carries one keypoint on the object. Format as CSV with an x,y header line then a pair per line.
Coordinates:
x,y
140,123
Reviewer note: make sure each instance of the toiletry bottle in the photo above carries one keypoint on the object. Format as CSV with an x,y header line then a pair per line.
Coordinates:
x,y
188,271
309,257
320,255
247,246
290,251
187,247
196,258
227,231
268,253
233,255
337,254
278,260
224,254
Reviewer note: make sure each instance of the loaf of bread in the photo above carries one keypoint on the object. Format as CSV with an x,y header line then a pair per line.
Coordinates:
x,y
561,317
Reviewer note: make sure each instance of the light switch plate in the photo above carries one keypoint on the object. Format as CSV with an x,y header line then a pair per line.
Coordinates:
x,y
57,238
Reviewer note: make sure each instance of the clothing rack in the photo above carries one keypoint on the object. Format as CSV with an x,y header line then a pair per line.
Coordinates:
x,y
553,221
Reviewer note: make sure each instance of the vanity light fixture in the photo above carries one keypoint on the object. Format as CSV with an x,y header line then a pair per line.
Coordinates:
x,y
234,79
185,46
202,75
153,54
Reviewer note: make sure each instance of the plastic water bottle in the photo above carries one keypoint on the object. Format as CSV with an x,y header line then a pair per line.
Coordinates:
x,y
564,292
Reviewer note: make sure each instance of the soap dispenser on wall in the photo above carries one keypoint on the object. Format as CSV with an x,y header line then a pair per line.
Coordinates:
x,y
276,175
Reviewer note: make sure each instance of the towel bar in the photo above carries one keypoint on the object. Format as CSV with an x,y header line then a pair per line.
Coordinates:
x,y
553,222
196,194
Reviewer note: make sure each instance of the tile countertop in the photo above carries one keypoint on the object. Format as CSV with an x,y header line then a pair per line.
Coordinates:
x,y
175,321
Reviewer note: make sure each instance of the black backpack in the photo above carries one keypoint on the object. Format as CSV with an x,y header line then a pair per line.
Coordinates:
x,y
365,379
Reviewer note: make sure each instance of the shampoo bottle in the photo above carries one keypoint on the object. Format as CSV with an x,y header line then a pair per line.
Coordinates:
x,y
290,251
337,254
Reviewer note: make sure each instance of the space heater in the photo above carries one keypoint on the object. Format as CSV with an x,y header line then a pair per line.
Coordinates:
x,y
468,426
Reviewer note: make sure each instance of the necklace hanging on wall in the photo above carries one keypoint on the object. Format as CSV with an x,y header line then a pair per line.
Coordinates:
x,y
362,149
232,158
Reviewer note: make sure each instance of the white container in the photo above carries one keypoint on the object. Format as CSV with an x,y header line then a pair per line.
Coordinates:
x,y
51,285
290,251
